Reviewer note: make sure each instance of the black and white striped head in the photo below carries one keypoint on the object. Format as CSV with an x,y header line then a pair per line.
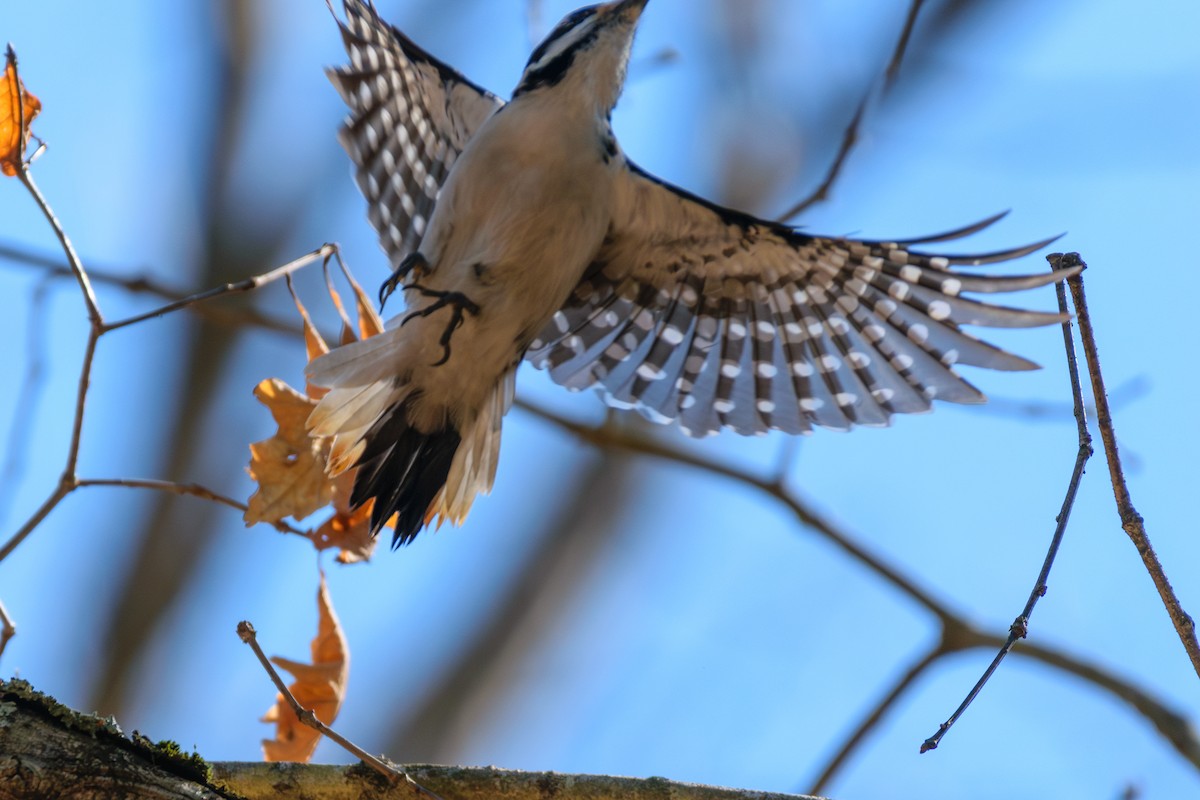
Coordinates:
x,y
586,54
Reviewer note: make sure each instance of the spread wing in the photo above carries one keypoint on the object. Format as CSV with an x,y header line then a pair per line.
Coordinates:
x,y
411,115
718,319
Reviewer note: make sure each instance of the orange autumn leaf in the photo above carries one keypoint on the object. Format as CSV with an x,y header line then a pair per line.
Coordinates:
x,y
17,106
314,342
348,529
369,322
290,466
319,687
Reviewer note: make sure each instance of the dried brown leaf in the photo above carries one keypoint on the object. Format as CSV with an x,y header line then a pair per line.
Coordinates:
x,y
319,687
369,322
290,466
17,106
314,343
348,529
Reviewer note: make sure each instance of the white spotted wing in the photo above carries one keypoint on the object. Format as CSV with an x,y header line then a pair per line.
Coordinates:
x,y
705,315
411,115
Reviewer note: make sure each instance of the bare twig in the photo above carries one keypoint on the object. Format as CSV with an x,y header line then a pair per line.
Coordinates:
x,y
1020,626
247,285
144,284
893,70
1127,393
849,140
957,633
789,450
1131,520
873,718
614,437
66,483
63,489
248,635
850,137
16,449
186,489
69,480
23,174
1172,725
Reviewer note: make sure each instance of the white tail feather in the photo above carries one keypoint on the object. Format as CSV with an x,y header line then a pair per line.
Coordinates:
x,y
342,410
347,414
357,363
345,452
473,470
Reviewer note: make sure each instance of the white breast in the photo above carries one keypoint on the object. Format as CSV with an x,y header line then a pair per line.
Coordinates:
x,y
520,218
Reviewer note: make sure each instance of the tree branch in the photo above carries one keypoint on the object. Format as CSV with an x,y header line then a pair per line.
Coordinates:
x,y
186,489
293,781
143,284
392,774
1020,627
957,633
1131,520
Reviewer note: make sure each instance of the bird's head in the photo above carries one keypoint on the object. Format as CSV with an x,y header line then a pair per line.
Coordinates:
x,y
586,54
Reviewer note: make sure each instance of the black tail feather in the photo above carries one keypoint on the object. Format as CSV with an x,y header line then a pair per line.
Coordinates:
x,y
403,469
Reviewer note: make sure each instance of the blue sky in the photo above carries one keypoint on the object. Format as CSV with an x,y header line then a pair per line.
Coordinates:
x,y
708,638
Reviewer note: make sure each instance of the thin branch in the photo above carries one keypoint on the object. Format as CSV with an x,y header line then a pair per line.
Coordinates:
x,y
851,135
1127,393
85,381
66,483
247,285
1020,627
144,284
248,635
69,481
1172,725
893,70
17,446
610,436
62,490
789,451
186,490
958,635
849,140
1131,520
872,719
26,178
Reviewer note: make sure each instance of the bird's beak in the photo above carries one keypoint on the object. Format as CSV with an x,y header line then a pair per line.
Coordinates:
x,y
624,8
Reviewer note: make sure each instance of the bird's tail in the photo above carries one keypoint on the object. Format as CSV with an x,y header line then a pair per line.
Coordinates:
x,y
410,471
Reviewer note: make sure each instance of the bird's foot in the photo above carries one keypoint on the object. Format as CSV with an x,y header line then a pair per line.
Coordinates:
x,y
413,262
457,300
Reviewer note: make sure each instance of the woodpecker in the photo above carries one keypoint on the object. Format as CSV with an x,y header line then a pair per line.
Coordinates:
x,y
520,230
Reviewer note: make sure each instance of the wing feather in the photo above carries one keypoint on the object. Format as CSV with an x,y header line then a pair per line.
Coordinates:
x,y
411,115
721,320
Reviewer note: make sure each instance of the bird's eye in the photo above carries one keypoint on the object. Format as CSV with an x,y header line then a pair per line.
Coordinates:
x,y
560,37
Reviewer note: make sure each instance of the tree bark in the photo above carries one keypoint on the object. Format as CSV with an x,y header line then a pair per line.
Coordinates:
x,y
258,781
49,751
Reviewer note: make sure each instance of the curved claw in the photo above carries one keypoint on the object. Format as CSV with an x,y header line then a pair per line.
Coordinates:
x,y
456,322
411,262
458,300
